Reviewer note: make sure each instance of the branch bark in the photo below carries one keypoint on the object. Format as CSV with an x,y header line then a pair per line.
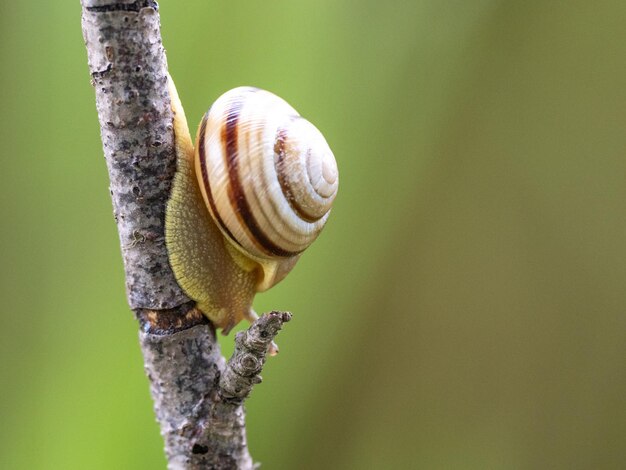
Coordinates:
x,y
198,398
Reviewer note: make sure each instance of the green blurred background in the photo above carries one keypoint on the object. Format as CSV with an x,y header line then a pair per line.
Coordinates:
x,y
464,308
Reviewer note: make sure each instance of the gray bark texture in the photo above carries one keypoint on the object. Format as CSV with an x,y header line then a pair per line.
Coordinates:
x,y
198,397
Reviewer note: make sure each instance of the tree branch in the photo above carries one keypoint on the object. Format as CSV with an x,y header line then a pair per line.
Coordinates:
x,y
197,398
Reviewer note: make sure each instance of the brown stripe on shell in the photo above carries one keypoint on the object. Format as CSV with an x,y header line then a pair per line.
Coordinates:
x,y
236,194
285,186
205,178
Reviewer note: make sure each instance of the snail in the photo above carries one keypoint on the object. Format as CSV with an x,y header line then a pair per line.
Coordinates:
x,y
246,202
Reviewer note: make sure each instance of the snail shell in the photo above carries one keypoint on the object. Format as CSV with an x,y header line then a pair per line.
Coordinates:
x,y
267,175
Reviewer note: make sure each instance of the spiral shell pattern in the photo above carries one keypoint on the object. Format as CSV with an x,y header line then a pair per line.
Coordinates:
x,y
267,175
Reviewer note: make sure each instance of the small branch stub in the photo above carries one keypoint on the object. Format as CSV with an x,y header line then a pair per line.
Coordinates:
x,y
251,349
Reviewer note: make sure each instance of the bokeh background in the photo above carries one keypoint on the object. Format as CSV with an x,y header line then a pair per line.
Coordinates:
x,y
465,307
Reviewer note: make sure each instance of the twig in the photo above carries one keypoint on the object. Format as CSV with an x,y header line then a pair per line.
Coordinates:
x,y
198,406
251,348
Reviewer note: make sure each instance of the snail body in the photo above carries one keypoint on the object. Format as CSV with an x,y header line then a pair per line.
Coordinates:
x,y
246,202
